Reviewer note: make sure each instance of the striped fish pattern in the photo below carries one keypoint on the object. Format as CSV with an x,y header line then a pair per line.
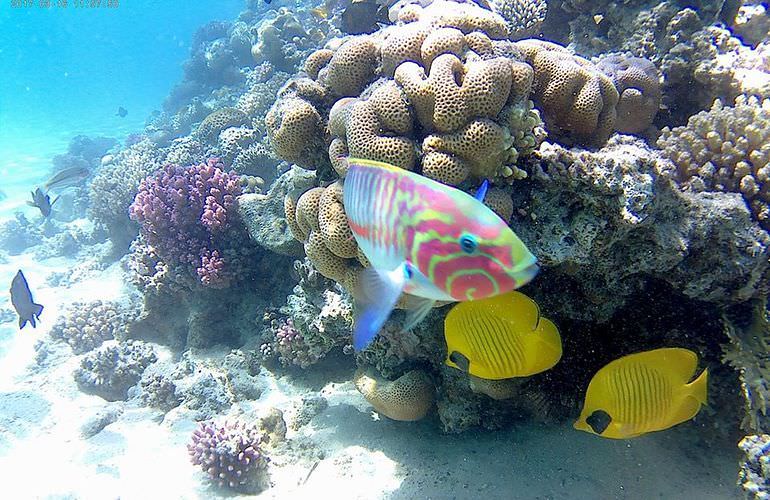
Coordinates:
x,y
643,392
429,240
501,337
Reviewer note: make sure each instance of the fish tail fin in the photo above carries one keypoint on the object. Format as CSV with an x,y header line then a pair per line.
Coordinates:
x,y
414,316
699,387
38,310
380,291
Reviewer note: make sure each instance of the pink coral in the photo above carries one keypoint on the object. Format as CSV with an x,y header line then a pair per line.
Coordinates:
x,y
185,215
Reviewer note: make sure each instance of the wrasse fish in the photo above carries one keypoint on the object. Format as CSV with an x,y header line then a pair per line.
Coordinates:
x,y
426,239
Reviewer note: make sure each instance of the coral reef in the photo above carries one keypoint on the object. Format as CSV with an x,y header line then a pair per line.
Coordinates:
x,y
589,214
231,454
754,476
188,217
110,370
219,120
726,149
407,398
316,319
85,326
748,331
264,215
114,188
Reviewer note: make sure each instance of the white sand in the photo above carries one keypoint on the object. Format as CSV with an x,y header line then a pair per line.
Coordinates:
x,y
42,454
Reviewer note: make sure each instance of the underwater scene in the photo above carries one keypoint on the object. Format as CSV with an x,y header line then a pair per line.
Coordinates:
x,y
380,249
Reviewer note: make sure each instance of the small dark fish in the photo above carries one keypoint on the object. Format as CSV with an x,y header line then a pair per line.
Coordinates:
x,y
268,2
363,17
122,112
22,301
42,201
66,178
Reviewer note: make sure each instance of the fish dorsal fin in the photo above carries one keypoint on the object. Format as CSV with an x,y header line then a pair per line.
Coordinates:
x,y
675,362
482,191
549,344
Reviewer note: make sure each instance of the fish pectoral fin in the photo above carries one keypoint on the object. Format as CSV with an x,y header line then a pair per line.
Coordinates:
x,y
418,313
31,204
377,294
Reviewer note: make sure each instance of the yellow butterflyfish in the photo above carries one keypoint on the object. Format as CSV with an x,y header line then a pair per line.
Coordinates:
x,y
501,337
643,392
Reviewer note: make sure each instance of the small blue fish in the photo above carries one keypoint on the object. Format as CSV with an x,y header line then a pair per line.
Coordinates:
x,y
21,298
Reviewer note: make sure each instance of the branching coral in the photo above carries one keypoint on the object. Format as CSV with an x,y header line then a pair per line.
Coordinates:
x,y
115,186
85,326
188,217
747,351
726,149
231,454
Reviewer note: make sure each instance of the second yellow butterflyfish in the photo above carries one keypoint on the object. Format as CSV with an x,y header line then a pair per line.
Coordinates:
x,y
643,392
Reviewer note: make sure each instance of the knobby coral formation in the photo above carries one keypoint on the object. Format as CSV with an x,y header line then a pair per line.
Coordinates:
x,y
231,454
85,326
188,217
726,149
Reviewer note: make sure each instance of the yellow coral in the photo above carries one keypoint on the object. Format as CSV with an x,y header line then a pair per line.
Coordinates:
x,y
454,92
366,140
330,265
316,61
482,144
407,398
500,202
403,43
351,67
441,41
333,223
576,98
219,120
306,217
294,129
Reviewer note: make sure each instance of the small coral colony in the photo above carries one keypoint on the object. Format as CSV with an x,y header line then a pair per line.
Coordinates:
x,y
415,195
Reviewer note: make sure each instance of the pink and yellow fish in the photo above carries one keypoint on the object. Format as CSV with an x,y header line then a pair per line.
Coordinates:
x,y
428,240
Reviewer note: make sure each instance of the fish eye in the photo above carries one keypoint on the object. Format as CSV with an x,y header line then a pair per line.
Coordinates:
x,y
468,243
599,421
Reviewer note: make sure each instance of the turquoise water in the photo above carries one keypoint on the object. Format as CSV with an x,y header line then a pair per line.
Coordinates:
x,y
618,274
68,70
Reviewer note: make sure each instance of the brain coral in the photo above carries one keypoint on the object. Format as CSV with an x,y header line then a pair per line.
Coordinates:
x,y
726,149
638,83
575,96
407,398
219,120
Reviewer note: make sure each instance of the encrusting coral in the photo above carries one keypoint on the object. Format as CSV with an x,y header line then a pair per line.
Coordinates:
x,y
112,369
407,398
231,453
726,149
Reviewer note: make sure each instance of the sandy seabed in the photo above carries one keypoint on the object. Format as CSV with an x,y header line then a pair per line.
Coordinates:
x,y
144,455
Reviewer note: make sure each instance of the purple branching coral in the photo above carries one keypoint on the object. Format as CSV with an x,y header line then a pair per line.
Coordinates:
x,y
231,454
187,214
